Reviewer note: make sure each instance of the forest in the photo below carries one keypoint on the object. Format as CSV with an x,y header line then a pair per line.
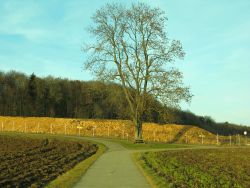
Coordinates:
x,y
23,95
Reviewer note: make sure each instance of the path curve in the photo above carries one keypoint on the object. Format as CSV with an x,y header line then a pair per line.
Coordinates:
x,y
114,169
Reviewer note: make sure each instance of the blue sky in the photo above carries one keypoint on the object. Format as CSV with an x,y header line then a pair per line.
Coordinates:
x,y
45,37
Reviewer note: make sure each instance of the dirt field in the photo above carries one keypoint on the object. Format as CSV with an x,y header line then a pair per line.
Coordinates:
x,y
27,161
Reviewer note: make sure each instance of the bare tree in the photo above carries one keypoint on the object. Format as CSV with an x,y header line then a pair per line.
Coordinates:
x,y
131,47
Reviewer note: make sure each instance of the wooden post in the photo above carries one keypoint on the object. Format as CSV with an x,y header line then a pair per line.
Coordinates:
x,y
38,127
230,140
239,138
217,139
201,136
123,132
93,134
51,131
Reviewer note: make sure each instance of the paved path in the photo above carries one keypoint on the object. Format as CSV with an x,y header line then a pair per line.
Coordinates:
x,y
114,169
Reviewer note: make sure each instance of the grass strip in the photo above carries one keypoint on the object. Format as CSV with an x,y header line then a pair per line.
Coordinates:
x,y
72,176
130,145
153,179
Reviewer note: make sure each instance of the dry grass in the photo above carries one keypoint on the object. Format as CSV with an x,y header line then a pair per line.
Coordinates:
x,y
123,129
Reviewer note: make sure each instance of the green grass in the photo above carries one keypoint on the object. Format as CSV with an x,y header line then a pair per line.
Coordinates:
x,y
152,178
148,146
224,167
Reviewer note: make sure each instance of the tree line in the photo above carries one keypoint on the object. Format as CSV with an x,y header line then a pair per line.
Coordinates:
x,y
22,95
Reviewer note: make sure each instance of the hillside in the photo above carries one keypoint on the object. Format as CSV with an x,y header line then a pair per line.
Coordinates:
x,y
152,132
22,95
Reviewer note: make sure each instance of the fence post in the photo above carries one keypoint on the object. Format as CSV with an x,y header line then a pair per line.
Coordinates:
x,y
230,140
51,128
38,127
25,127
201,136
123,132
239,138
13,125
217,139
94,131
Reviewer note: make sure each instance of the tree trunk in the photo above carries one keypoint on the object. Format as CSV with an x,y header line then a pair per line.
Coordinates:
x,y
138,132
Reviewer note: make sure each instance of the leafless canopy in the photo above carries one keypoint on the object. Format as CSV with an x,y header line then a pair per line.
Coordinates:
x,y
131,47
